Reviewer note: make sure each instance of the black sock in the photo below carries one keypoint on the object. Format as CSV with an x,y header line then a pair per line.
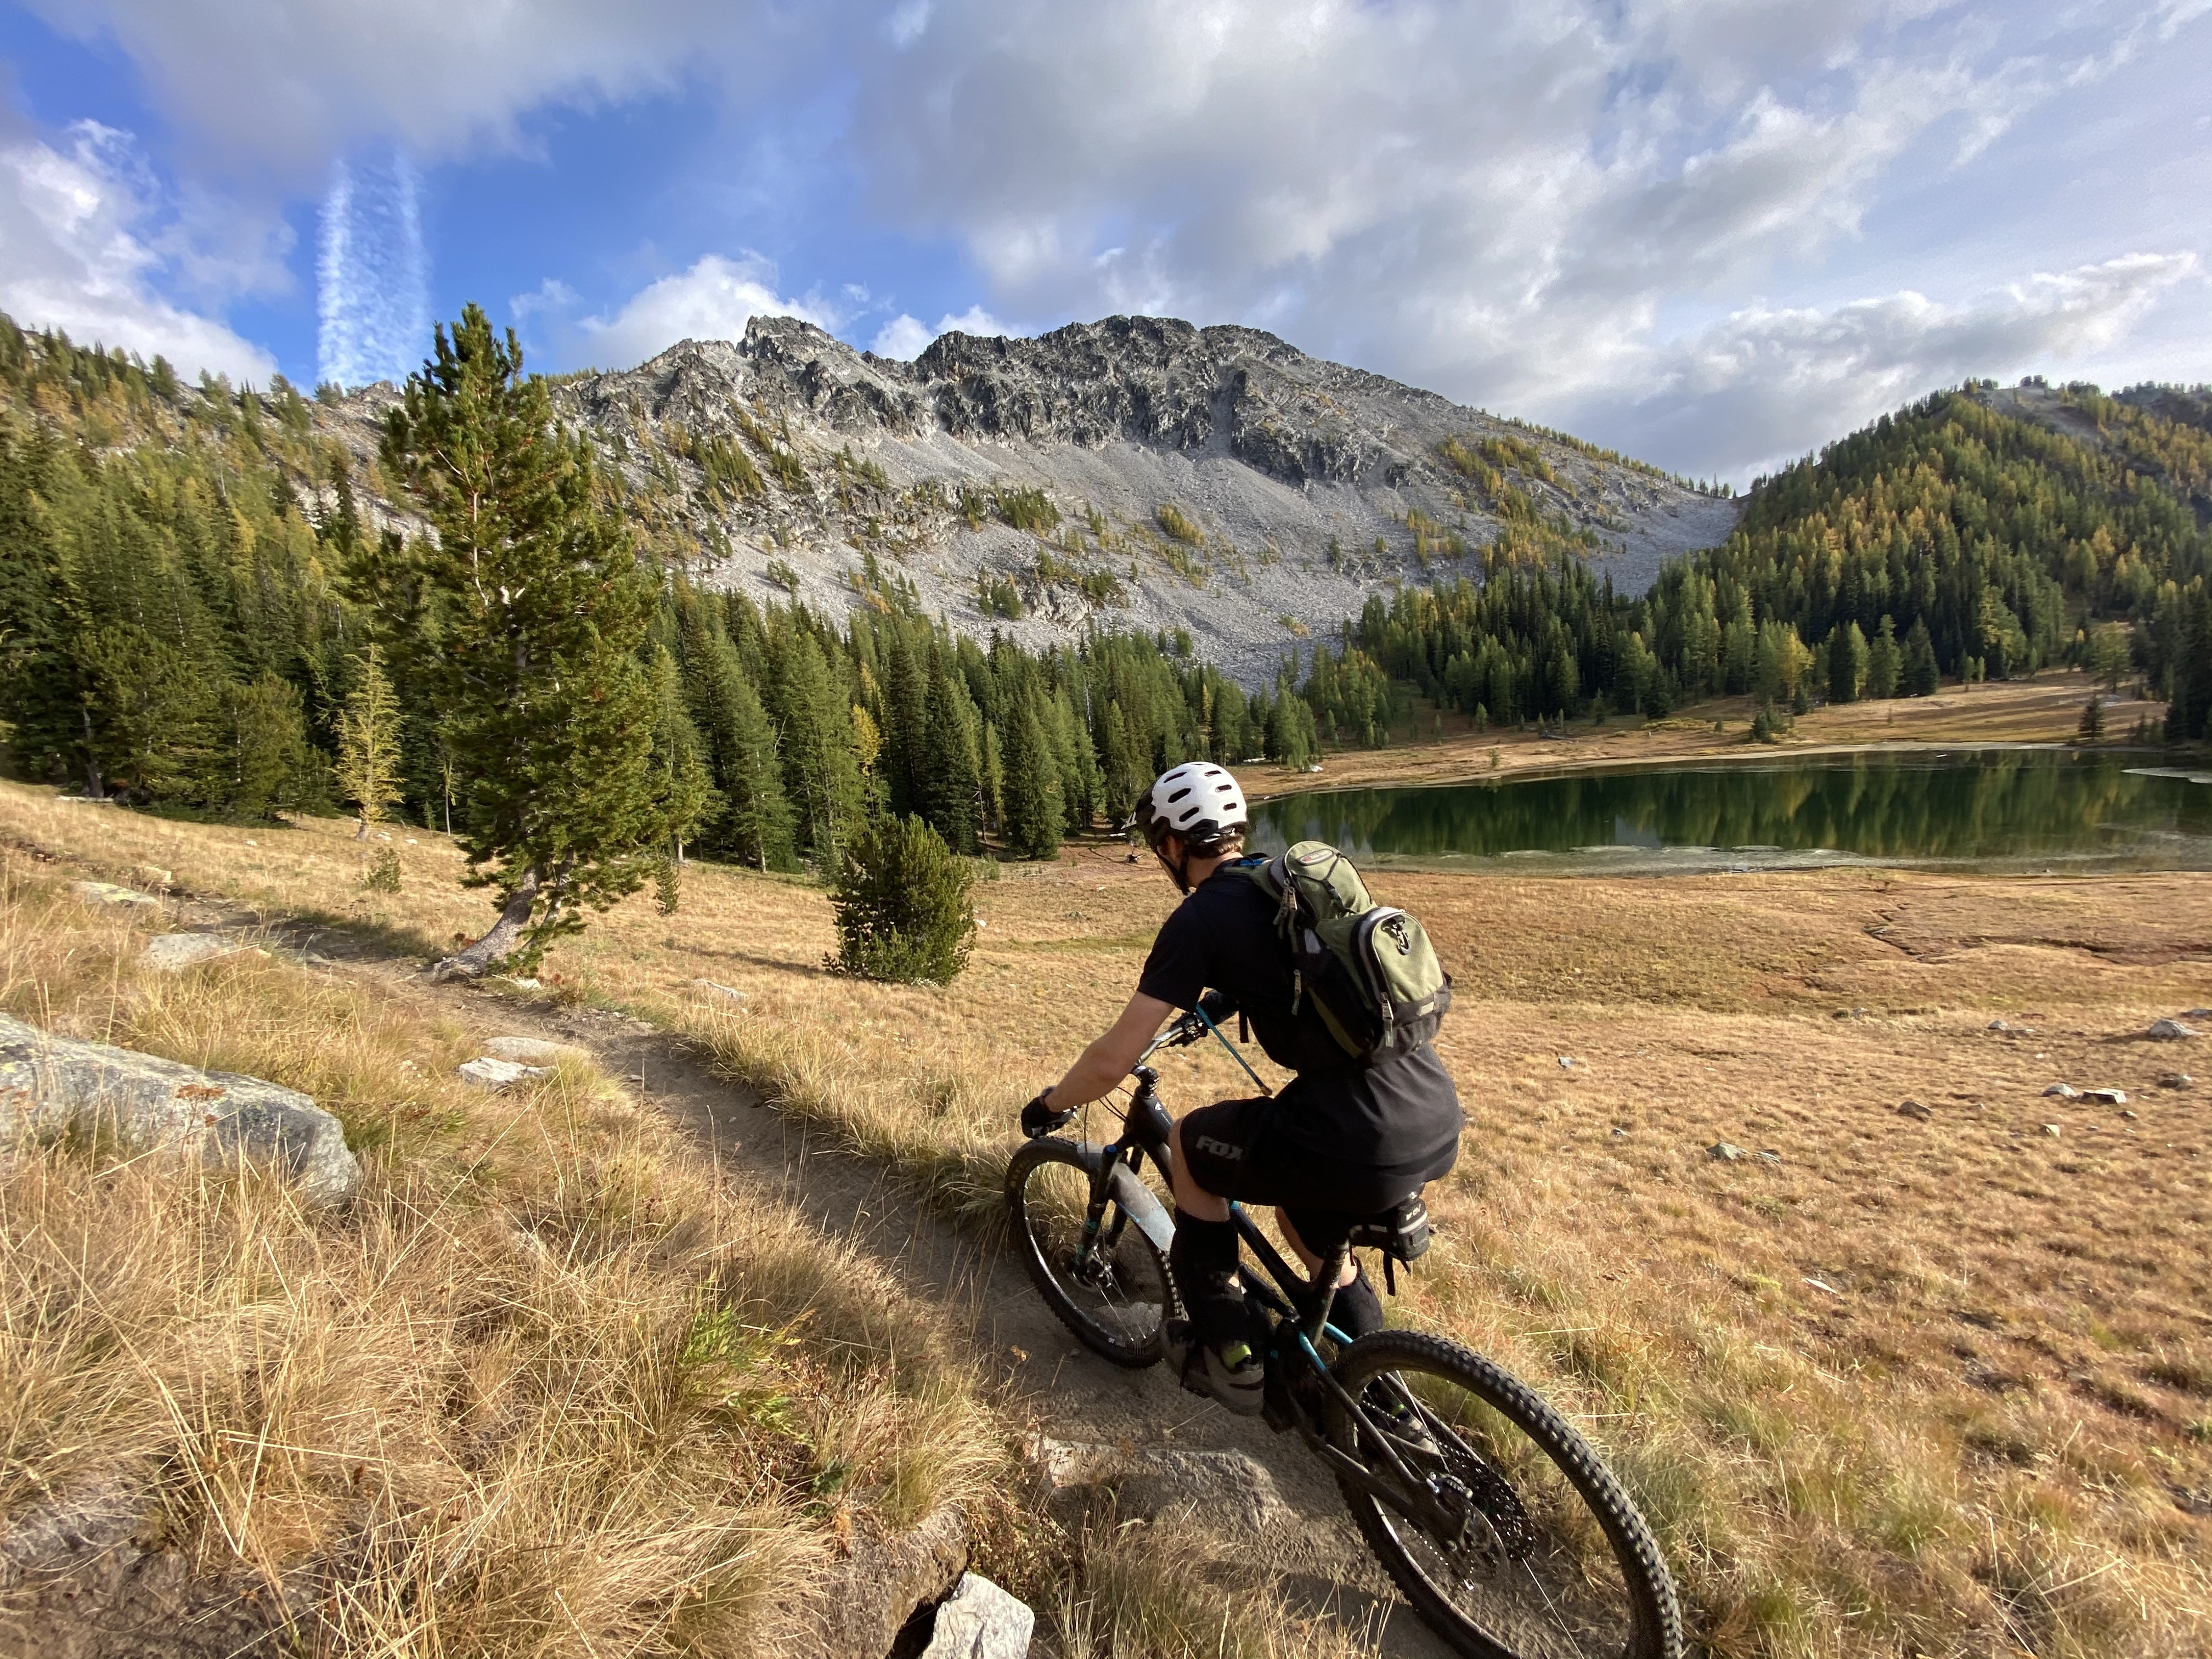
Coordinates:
x,y
1203,1259
1357,1309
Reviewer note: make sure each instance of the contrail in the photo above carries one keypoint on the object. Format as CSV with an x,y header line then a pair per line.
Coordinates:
x,y
373,275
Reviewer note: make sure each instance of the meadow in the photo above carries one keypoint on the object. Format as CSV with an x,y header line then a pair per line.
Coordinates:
x,y
1889,1384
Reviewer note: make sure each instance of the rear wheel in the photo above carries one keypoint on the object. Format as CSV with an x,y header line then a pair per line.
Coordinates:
x,y
1512,1540
1114,1293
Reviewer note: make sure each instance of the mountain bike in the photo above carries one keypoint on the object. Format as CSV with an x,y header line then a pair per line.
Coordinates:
x,y
1497,1521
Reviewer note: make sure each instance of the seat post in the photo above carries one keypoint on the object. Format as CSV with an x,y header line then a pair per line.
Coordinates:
x,y
1331,1271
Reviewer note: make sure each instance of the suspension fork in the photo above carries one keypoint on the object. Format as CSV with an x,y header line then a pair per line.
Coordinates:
x,y
1146,1128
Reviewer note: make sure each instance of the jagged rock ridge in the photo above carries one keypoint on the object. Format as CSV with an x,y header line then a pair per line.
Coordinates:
x,y
1214,479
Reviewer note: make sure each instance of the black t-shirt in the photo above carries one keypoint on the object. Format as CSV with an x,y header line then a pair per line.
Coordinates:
x,y
1401,1114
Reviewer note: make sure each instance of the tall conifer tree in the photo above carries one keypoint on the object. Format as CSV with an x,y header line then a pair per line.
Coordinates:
x,y
534,681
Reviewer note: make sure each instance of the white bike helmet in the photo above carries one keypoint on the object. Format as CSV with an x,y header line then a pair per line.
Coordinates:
x,y
1198,803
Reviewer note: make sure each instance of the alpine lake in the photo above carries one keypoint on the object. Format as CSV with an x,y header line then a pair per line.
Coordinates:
x,y
2019,809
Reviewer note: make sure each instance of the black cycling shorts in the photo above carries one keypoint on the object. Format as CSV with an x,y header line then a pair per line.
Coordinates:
x,y
1232,1151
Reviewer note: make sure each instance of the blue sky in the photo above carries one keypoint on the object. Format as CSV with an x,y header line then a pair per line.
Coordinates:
x,y
1714,232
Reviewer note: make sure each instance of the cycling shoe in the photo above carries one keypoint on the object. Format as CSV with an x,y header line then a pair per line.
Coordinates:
x,y
1234,1377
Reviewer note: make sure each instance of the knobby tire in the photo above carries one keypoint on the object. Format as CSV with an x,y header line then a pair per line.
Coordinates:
x,y
1043,1179
1512,1625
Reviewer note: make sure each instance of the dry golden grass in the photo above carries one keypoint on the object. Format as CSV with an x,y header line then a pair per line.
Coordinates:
x,y
1939,1388
2044,709
545,1388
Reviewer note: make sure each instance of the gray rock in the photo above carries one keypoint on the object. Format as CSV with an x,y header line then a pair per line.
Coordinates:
x,y
876,1590
2170,1030
106,892
2052,1129
2063,1091
2105,1097
1227,1488
723,991
2195,1013
2176,1080
487,1073
49,1083
979,1620
1768,1155
1722,1152
1913,1109
172,953
1568,1063
533,1051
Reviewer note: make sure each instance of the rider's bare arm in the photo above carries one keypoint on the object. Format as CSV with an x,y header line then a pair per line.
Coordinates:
x,y
1108,1060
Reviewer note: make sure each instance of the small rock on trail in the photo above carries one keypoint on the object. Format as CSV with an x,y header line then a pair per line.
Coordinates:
x,y
2170,1030
172,953
488,1072
1723,1152
1913,1109
106,892
2105,1097
536,1052
979,1620
2063,1090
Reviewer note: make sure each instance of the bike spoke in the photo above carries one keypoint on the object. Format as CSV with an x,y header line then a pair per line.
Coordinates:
x,y
1508,1543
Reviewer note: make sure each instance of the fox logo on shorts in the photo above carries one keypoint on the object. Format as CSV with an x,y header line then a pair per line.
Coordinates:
x,y
1218,1148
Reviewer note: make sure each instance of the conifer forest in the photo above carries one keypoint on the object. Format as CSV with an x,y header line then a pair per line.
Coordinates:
x,y
195,618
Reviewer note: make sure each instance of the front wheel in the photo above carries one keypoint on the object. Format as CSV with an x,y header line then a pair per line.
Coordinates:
x,y
1507,1535
1113,1291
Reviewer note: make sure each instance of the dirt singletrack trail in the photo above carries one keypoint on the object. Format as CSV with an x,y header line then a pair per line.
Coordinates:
x,y
1292,1529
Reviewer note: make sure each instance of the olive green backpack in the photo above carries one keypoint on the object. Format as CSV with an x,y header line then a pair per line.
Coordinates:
x,y
1367,971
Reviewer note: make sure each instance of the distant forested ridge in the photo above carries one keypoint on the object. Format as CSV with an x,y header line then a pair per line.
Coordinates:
x,y
188,598
1951,539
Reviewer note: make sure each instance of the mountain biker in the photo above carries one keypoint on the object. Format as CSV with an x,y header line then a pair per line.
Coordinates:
x,y
1342,1139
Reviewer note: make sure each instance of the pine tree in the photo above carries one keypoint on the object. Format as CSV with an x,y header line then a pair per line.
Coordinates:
x,y
902,904
1034,808
2111,655
1918,677
754,824
266,761
534,681
680,776
821,776
1883,661
2189,717
1847,653
950,784
368,743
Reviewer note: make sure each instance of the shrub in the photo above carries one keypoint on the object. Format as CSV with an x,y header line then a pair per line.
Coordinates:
x,y
383,875
1173,523
902,904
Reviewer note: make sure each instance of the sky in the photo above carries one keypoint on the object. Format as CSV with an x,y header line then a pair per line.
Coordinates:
x,y
1714,233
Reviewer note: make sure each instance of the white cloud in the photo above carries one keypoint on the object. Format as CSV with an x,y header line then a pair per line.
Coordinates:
x,y
905,338
290,86
73,256
712,300
902,338
1767,383
1508,201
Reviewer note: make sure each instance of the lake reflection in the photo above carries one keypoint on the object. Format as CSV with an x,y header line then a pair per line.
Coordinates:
x,y
1998,809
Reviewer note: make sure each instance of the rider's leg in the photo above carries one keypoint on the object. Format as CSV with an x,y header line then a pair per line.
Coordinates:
x,y
1203,1258
1313,1263
1356,1310
1203,1262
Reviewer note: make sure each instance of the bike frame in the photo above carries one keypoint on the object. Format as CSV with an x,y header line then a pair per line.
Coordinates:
x,y
1147,1130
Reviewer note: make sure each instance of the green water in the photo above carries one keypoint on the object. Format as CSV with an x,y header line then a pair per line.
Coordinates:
x,y
2010,809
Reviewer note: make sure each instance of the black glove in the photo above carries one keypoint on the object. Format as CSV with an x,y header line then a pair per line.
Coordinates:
x,y
1039,1119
